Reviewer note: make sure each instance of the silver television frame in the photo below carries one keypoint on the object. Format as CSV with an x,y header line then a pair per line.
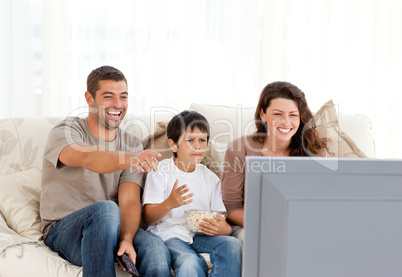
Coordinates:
x,y
315,217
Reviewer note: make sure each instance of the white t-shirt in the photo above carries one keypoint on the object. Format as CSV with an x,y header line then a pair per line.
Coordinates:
x,y
205,185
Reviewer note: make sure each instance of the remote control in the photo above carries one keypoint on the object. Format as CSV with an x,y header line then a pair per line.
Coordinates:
x,y
128,264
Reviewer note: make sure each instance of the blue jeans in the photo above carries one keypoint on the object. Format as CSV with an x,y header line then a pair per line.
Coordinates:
x,y
153,257
225,254
89,237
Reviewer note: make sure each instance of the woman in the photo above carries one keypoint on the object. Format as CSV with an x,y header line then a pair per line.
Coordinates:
x,y
285,127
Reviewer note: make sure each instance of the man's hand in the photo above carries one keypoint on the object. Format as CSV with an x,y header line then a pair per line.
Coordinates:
x,y
177,197
128,248
145,160
215,227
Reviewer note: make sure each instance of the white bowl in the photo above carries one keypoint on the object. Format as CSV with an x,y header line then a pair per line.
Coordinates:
x,y
195,217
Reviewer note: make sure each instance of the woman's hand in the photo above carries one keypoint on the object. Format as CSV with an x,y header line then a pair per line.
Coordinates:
x,y
216,227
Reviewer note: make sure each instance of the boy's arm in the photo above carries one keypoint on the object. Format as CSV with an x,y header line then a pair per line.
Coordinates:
x,y
155,212
103,161
130,215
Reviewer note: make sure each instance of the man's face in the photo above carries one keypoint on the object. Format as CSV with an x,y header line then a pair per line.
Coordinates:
x,y
110,103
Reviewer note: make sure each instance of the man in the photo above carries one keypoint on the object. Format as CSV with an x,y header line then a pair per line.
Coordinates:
x,y
91,184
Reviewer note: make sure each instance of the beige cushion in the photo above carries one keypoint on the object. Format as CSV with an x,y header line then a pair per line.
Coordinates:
x,y
158,141
19,202
327,126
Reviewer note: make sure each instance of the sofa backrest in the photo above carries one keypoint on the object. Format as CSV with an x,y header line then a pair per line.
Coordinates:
x,y
228,123
22,140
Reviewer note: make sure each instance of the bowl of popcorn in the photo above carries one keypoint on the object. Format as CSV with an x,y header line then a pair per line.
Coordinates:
x,y
195,217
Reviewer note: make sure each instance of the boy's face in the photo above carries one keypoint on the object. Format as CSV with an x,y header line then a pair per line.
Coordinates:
x,y
190,149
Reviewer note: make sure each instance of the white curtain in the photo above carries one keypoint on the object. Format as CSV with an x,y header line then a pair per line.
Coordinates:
x,y
16,59
346,50
175,52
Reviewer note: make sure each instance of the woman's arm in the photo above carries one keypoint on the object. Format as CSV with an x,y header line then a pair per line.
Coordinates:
x,y
233,181
237,217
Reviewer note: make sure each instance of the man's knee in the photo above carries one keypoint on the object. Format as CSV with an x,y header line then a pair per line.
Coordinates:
x,y
153,257
106,209
151,245
106,214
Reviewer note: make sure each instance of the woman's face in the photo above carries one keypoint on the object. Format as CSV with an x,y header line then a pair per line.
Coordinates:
x,y
283,119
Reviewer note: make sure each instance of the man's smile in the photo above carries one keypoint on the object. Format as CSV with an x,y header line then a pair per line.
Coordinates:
x,y
114,114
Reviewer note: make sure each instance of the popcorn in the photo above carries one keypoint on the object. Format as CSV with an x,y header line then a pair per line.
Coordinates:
x,y
195,217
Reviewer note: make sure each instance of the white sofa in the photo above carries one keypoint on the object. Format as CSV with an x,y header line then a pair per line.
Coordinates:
x,y
22,140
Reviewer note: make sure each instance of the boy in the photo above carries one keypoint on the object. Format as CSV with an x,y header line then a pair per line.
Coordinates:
x,y
182,183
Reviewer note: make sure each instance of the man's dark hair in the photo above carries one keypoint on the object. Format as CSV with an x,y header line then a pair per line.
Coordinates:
x,y
103,73
184,121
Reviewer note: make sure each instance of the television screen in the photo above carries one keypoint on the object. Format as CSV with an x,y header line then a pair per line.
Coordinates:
x,y
316,217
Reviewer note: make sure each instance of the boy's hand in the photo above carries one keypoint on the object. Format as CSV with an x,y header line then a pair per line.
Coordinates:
x,y
217,227
177,197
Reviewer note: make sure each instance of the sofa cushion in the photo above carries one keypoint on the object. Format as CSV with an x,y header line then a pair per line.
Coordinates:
x,y
20,256
158,141
328,126
19,202
32,258
22,141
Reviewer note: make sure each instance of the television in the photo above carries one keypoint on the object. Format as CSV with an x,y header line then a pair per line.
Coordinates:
x,y
322,217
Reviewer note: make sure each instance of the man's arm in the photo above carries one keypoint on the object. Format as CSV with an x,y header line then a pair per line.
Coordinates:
x,y
130,216
103,161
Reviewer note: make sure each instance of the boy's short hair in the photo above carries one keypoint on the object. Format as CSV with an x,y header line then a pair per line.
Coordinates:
x,y
186,120
103,73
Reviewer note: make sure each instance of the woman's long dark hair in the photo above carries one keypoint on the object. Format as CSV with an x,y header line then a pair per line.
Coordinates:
x,y
306,141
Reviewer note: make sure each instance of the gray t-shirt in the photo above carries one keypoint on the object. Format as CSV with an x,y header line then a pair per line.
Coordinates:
x,y
67,189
